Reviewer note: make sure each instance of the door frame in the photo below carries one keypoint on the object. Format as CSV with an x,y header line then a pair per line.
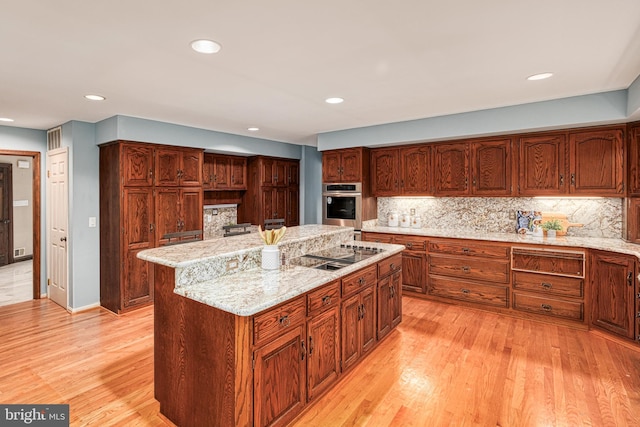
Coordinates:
x,y
35,166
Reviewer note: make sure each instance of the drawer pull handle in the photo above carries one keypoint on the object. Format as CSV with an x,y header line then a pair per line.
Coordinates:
x,y
630,278
465,291
326,300
310,346
546,307
546,285
304,349
285,321
362,281
409,245
392,266
466,250
392,291
466,269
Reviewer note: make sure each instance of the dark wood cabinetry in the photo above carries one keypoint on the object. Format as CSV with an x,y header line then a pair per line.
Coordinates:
x,y
272,192
401,171
451,169
146,191
491,166
542,165
389,294
613,293
222,172
346,165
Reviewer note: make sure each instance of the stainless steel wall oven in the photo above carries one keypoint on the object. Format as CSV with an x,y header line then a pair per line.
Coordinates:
x,y
342,204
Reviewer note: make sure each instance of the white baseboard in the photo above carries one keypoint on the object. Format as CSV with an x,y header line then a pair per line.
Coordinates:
x,y
84,308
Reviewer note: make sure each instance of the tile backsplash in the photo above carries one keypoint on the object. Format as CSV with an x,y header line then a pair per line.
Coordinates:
x,y
224,215
602,217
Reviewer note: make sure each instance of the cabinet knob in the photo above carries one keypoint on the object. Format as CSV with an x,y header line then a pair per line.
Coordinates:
x,y
465,291
362,281
466,268
546,285
326,300
285,321
546,307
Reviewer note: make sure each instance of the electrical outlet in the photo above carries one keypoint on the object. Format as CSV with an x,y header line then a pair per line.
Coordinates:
x,y
512,214
412,211
232,264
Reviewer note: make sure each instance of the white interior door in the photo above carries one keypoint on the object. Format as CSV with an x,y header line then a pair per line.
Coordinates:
x,y
57,225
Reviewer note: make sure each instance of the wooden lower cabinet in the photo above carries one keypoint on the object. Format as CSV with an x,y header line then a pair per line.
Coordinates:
x,y
323,342
279,384
358,326
613,293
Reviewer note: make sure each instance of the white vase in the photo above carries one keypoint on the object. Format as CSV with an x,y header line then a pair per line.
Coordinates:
x,y
270,257
551,234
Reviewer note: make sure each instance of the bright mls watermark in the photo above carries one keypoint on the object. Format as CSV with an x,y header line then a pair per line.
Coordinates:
x,y
34,415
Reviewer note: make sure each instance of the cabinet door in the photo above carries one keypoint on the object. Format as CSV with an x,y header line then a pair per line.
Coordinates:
x,y
330,166
279,385
137,281
368,323
294,173
416,171
191,168
208,170
266,166
384,311
293,207
351,165
221,173
323,362
414,278
280,195
396,298
385,167
452,169
350,316
167,213
238,173
191,209
632,220
268,204
280,173
543,167
491,168
612,293
167,167
634,160
596,162
137,165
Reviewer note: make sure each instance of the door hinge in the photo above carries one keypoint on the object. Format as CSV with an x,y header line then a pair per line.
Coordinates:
x,y
48,282
48,174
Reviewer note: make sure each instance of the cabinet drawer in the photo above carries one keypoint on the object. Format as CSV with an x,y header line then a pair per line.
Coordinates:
x,y
278,320
473,292
548,284
470,247
390,265
470,268
323,298
566,263
548,306
359,280
377,237
412,243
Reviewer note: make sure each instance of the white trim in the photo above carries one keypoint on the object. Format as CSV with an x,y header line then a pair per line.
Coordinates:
x,y
230,205
84,308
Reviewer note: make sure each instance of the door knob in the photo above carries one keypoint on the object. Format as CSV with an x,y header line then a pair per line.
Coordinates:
x,y
63,239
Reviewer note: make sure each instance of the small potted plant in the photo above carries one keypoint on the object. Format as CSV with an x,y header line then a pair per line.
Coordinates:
x,y
551,227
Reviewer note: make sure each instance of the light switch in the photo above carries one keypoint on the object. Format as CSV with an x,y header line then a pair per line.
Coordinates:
x,y
92,221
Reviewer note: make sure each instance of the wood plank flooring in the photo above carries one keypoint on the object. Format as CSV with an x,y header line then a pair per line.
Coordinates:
x,y
444,366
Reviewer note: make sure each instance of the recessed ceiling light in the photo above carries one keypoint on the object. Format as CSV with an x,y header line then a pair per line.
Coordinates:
x,y
5,119
334,100
253,129
540,76
205,46
95,97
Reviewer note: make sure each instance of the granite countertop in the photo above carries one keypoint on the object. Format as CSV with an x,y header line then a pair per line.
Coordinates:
x,y
202,272
614,245
252,291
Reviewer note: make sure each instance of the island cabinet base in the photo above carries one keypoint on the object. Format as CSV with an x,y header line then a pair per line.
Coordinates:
x,y
202,360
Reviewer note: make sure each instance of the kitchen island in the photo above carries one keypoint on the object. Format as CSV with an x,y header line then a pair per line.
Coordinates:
x,y
235,345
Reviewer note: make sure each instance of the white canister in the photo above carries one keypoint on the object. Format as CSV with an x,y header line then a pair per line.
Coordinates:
x,y
392,220
270,257
405,220
416,222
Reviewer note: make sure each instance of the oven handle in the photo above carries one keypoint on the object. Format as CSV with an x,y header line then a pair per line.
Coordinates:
x,y
325,194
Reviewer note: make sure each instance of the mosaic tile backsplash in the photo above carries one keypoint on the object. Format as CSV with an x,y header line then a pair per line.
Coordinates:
x,y
602,217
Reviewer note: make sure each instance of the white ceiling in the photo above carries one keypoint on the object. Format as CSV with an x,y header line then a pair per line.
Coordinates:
x,y
391,61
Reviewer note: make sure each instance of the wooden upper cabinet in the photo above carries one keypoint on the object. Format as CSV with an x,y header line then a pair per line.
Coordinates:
x,y
416,170
385,169
542,165
178,167
342,165
596,162
137,161
634,159
491,168
451,169
221,172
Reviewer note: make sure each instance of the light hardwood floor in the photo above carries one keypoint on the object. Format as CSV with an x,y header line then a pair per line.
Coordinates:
x,y
443,366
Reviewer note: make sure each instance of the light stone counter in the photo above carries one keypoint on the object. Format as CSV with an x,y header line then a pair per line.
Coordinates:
x,y
203,271
614,245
